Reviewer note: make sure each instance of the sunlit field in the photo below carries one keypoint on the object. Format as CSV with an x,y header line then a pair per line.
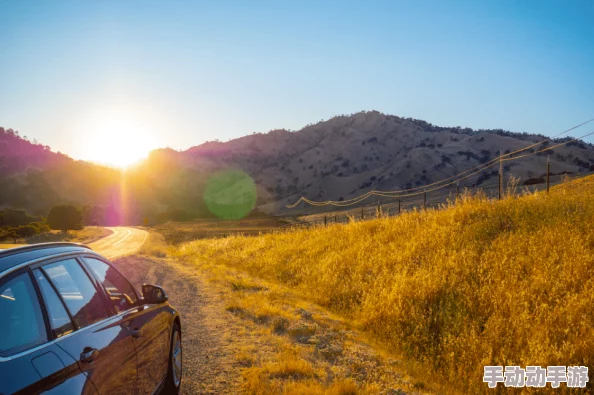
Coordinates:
x,y
178,232
85,236
481,282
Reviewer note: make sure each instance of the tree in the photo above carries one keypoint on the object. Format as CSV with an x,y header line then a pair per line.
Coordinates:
x,y
15,218
93,215
9,233
26,231
65,217
40,227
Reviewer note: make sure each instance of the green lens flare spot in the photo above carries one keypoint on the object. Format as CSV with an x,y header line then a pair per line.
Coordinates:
x,y
230,194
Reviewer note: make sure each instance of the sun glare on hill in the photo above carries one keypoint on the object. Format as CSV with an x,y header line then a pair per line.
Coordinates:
x,y
118,139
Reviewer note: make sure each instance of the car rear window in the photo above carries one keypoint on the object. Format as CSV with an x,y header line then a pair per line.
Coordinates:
x,y
22,326
82,299
60,321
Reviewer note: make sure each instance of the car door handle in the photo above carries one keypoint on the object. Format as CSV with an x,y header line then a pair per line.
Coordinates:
x,y
88,354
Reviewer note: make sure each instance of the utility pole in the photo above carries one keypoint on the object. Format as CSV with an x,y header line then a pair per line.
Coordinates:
x,y
500,175
548,172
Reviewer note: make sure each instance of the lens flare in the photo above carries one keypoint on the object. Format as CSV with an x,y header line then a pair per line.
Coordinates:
x,y
230,194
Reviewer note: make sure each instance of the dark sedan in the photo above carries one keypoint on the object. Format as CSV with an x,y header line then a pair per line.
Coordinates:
x,y
71,323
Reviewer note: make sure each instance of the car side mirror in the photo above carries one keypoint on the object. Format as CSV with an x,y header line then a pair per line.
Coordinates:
x,y
153,294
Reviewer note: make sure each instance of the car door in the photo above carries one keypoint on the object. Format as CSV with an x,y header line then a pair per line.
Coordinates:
x,y
30,362
150,324
101,344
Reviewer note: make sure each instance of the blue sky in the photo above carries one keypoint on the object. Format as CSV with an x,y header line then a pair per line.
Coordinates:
x,y
178,73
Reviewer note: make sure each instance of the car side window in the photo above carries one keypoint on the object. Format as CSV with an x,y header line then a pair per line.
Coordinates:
x,y
80,296
119,290
22,324
59,320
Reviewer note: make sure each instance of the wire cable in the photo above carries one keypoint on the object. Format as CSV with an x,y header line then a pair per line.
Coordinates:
x,y
479,168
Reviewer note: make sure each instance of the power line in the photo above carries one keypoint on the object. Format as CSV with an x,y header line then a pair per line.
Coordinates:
x,y
479,168
382,194
549,148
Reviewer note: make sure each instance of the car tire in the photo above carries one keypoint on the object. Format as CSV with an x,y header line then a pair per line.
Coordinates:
x,y
175,369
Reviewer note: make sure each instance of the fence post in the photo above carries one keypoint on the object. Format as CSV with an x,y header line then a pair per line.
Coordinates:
x,y
325,221
548,171
500,175
457,190
362,215
378,210
335,220
424,199
398,206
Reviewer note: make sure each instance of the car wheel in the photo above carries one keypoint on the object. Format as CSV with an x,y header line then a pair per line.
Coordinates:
x,y
174,373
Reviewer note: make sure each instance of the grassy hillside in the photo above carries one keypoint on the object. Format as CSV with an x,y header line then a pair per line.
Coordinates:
x,y
480,283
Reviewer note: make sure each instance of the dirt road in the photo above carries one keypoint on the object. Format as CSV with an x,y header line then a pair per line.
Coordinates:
x,y
209,363
210,333
123,241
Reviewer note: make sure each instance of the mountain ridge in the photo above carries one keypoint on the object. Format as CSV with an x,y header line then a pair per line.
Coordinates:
x,y
336,159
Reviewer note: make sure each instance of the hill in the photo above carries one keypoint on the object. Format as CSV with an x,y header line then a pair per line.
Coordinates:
x,y
349,155
482,282
35,178
340,158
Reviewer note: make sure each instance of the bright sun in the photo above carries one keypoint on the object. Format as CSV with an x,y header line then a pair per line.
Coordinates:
x,y
119,140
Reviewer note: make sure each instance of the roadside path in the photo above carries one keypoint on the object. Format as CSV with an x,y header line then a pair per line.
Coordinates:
x,y
210,333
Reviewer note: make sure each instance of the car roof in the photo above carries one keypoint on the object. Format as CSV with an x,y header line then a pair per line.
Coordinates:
x,y
16,256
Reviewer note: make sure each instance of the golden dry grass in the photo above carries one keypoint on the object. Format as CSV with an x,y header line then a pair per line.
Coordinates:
x,y
86,235
285,376
179,232
4,246
480,283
